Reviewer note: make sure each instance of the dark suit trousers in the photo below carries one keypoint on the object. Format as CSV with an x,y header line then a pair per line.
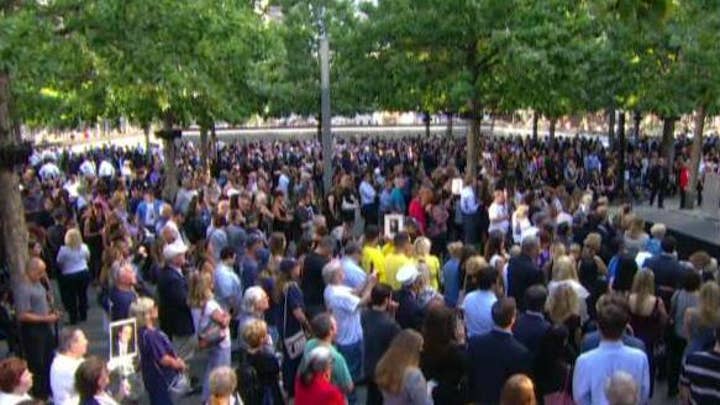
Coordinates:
x,y
73,292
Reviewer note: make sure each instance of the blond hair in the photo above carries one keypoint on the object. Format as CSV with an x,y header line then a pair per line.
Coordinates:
x,y
223,383
73,239
643,286
200,289
422,246
562,303
564,269
141,309
709,304
402,355
254,333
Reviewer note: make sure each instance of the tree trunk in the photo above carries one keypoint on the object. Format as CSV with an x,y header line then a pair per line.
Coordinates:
x,y
473,136
621,152
325,108
668,137
695,154
536,119
551,130
449,130
214,157
170,186
13,229
148,152
611,127
637,117
204,147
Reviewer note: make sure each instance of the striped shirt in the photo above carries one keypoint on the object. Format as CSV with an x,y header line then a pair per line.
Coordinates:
x,y
701,375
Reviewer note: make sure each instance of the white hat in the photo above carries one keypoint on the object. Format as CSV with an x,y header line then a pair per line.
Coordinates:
x,y
407,274
174,249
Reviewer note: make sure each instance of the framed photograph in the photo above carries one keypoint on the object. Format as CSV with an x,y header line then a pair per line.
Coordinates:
x,y
457,185
394,223
123,339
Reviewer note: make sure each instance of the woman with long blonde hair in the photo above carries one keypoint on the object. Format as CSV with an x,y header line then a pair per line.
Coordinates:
x,y
635,236
73,260
564,273
207,313
398,372
701,321
563,308
647,314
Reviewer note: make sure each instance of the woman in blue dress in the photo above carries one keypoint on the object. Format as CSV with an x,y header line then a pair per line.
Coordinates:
x,y
158,362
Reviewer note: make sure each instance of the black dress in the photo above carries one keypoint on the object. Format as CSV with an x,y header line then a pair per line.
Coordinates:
x,y
449,369
267,372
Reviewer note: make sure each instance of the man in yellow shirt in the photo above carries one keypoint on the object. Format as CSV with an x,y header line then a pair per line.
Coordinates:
x,y
373,257
399,258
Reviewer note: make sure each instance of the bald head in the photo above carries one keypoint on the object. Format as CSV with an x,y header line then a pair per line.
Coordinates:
x,y
35,269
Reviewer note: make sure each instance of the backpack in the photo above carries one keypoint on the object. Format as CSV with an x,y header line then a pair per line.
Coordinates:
x,y
250,388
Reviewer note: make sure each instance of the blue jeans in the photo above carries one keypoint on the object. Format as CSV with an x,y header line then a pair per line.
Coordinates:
x,y
353,354
217,357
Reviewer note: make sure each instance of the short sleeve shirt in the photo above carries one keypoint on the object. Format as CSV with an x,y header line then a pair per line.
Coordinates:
x,y
31,297
340,376
295,300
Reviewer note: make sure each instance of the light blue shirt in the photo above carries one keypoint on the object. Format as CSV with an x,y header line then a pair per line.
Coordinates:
x,y
468,201
355,276
594,368
228,289
477,307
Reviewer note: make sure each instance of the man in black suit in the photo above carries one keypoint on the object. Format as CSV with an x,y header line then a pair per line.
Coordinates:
x,y
523,270
379,329
173,310
531,325
658,180
496,355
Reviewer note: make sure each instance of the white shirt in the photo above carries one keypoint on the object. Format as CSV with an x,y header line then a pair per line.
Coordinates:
x,y
106,169
594,368
62,377
342,302
202,316
468,202
495,212
12,399
367,193
73,261
87,168
49,171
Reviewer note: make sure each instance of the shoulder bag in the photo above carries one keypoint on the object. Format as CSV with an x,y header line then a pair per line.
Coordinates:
x,y
212,334
295,344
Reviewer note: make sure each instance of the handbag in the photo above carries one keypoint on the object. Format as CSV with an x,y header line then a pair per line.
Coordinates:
x,y
295,344
561,397
179,385
212,334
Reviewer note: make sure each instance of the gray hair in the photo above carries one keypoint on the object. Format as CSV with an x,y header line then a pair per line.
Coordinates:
x,y
331,270
621,389
318,361
529,242
252,296
66,338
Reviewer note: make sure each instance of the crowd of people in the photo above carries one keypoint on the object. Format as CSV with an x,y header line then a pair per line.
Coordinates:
x,y
529,283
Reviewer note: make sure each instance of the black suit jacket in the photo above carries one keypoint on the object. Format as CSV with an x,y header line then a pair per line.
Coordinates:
x,y
529,330
493,358
173,310
522,273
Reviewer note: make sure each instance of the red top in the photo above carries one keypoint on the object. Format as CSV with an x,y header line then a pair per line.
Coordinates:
x,y
684,178
417,212
320,391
